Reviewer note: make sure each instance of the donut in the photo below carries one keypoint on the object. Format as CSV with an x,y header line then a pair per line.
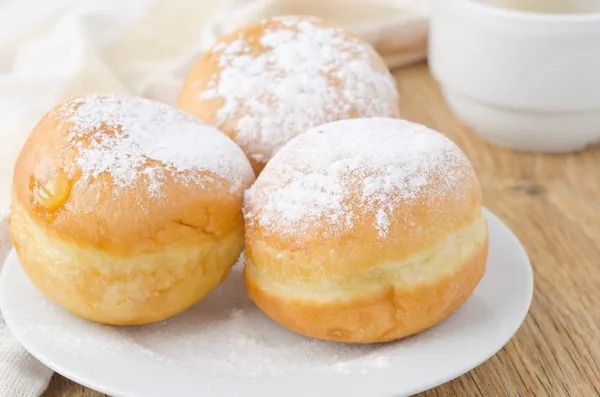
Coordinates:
x,y
364,230
125,210
271,80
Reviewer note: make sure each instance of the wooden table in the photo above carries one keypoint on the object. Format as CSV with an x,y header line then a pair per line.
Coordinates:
x,y
552,203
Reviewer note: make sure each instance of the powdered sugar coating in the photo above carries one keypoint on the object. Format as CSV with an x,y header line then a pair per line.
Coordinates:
x,y
304,73
337,174
130,137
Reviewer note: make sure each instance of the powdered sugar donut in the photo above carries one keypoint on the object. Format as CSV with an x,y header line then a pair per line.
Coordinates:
x,y
364,230
274,79
125,210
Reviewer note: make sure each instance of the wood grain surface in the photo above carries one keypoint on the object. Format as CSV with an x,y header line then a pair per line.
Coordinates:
x,y
552,203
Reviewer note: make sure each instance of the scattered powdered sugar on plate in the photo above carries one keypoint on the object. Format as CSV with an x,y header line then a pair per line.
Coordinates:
x,y
130,137
305,74
225,335
336,173
69,337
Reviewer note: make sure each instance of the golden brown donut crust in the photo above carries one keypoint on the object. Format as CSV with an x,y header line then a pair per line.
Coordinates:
x,y
100,286
438,216
122,255
387,315
202,75
135,221
322,276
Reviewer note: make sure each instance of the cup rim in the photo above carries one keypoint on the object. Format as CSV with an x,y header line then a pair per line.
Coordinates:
x,y
531,16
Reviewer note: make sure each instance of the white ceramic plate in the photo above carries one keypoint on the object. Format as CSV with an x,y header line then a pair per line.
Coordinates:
x,y
225,346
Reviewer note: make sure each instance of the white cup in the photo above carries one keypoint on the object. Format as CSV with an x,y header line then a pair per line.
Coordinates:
x,y
525,80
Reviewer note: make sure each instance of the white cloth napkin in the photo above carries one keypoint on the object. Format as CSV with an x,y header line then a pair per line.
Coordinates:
x,y
54,50
20,374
